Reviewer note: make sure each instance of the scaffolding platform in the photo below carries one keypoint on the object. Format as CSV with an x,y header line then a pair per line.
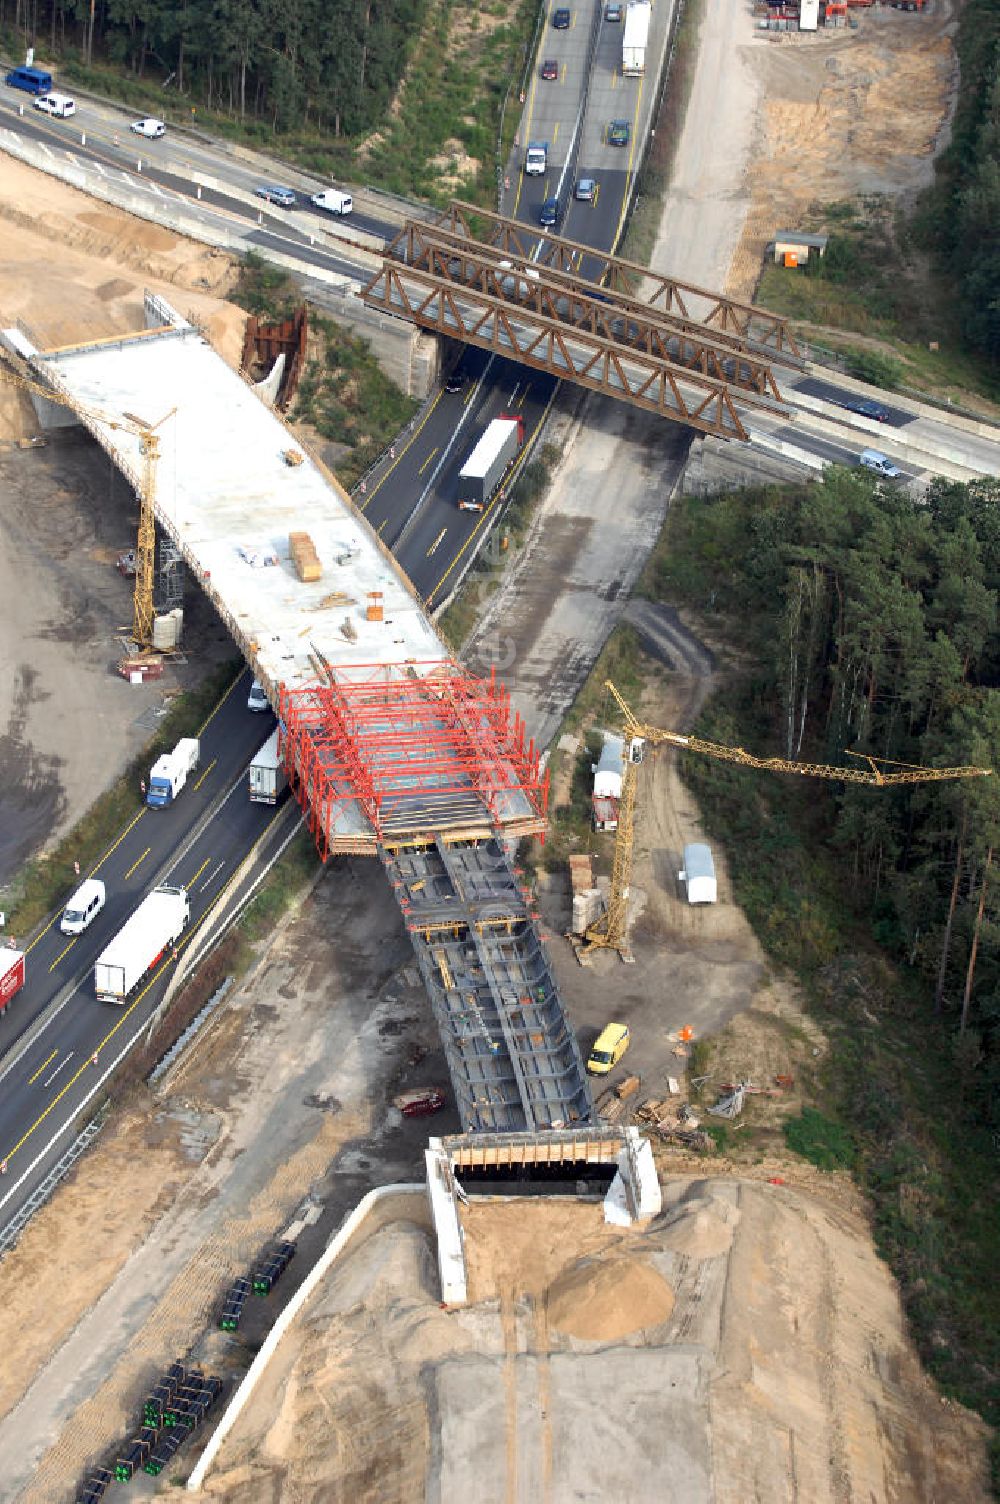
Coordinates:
x,y
514,1061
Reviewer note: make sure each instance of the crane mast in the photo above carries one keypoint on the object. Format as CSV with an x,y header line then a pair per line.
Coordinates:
x,y
149,447
611,930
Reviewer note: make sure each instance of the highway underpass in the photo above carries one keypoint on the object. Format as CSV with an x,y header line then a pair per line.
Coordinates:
x,y
392,749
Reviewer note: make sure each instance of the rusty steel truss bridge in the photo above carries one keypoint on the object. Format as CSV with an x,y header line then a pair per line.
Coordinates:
x,y
654,341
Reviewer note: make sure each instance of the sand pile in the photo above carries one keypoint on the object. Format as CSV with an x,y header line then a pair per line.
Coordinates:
x,y
601,1300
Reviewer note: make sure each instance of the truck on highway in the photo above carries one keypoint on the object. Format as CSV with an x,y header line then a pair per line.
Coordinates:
x,y
536,158
268,778
139,944
11,974
170,772
489,462
635,38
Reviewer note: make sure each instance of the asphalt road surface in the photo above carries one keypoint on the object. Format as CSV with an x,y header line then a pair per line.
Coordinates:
x,y
198,843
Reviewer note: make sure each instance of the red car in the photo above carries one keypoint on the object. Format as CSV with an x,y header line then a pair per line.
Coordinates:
x,y
420,1102
550,68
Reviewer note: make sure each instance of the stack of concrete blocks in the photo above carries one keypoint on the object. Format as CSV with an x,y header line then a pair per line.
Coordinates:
x,y
587,899
304,557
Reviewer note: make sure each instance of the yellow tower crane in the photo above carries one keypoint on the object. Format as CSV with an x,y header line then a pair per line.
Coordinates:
x,y
149,448
611,930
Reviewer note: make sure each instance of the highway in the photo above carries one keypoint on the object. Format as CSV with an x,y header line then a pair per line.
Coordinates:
x,y
409,501
55,1027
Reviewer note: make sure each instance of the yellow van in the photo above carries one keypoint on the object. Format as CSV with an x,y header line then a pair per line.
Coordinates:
x,y
609,1047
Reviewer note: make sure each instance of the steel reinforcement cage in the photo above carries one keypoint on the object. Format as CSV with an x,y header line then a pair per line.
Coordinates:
x,y
386,754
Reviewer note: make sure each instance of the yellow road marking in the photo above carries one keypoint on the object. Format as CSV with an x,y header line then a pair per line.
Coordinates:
x,y
437,542
427,461
555,133
135,818
405,450
527,138
520,400
614,78
198,873
34,1078
204,775
485,515
220,702
628,170
58,958
138,862
181,944
96,868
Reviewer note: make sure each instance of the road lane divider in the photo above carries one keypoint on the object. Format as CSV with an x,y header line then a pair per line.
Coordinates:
x,y
137,863
65,951
204,775
34,1078
48,1081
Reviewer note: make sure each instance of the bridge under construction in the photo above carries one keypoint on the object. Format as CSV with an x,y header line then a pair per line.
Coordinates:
x,y
392,749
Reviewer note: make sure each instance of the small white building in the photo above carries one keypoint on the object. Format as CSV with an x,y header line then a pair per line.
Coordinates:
x,y
699,873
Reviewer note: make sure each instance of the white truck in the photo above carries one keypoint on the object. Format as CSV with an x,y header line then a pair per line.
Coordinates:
x,y
635,38
170,772
536,158
139,944
488,463
268,778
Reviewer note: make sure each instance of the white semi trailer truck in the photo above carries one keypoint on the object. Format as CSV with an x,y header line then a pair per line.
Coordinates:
x,y
139,944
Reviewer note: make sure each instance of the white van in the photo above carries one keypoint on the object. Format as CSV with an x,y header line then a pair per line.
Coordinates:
x,y
874,459
333,201
59,105
83,908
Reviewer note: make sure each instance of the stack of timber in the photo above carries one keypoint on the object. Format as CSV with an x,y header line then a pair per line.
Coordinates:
x,y
304,557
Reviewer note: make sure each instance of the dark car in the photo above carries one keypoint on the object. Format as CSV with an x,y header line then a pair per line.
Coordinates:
x,y
283,197
619,133
585,191
550,68
613,12
456,380
548,214
561,18
866,408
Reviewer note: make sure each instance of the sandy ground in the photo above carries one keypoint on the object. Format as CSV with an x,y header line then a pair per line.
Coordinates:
x,y
65,515
748,1344
284,1105
779,123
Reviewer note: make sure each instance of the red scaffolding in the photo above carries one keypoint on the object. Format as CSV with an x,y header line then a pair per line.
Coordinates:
x,y
394,753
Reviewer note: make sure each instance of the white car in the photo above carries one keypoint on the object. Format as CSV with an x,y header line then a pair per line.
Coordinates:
x,y
59,105
257,698
150,128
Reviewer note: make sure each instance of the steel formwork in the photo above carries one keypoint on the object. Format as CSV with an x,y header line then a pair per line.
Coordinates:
x,y
513,1059
388,754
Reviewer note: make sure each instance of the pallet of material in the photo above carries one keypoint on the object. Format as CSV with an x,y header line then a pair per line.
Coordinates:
x,y
304,557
